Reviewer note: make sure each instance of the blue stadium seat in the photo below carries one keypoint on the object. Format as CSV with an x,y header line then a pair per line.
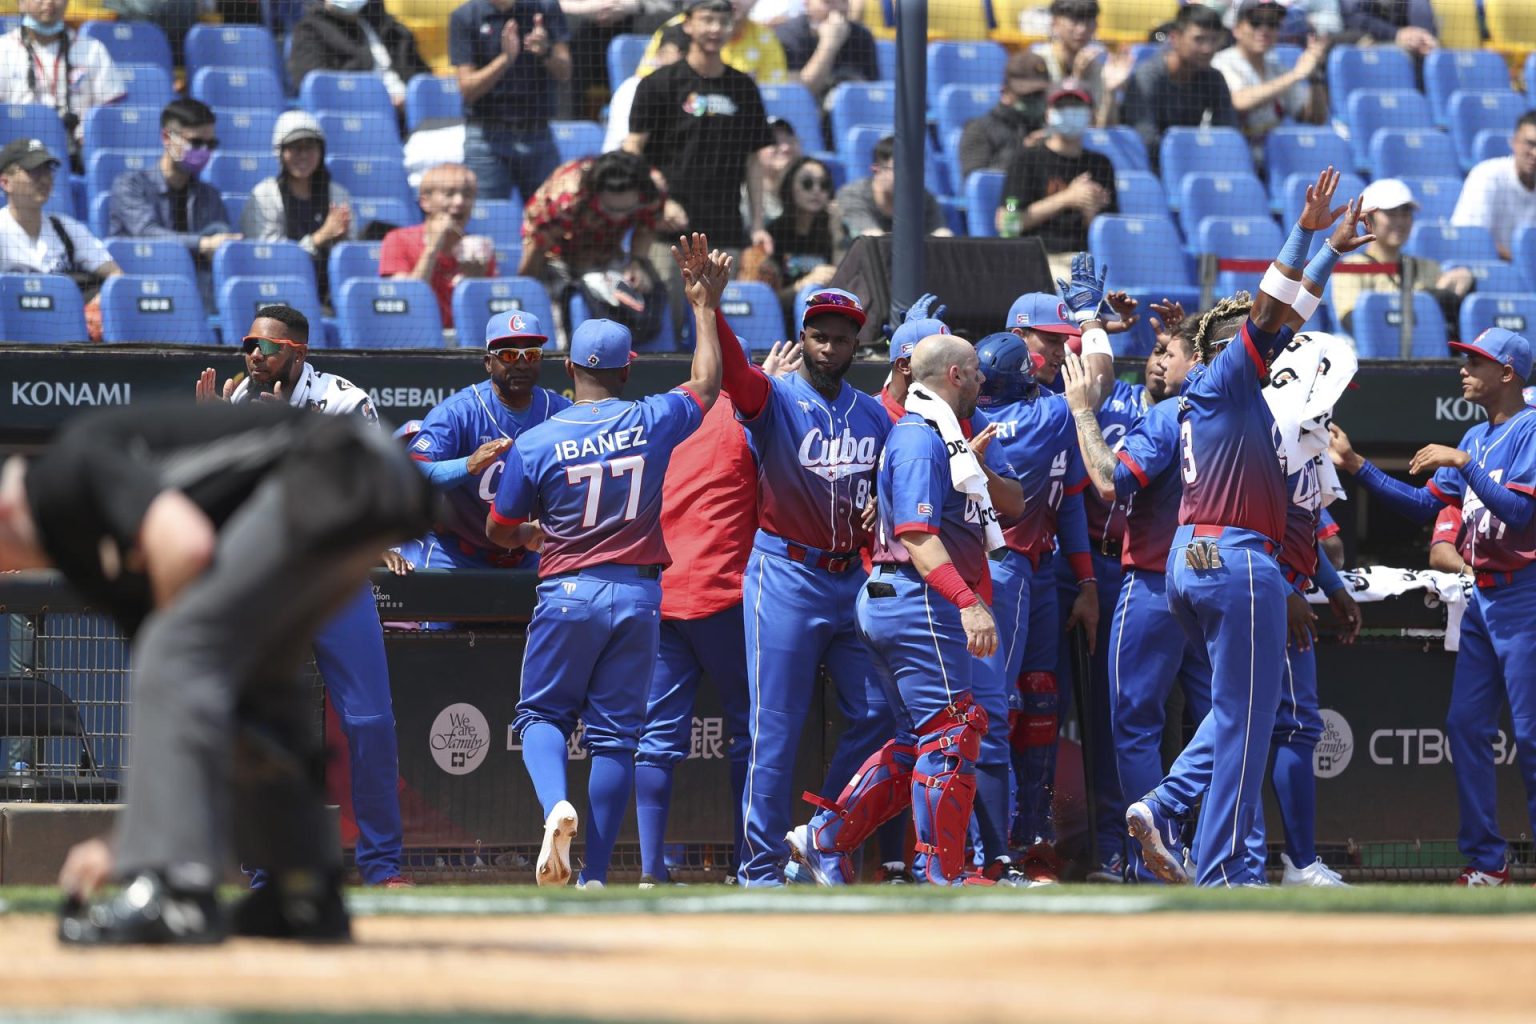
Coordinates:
x,y
153,308
232,46
576,139
345,92
885,58
1140,194
1396,152
240,297
131,42
372,313
152,256
244,130
250,87
1452,71
1436,196
262,260
477,299
382,179
1121,145
624,53
1513,311
1488,144
384,210
1302,149
1494,276
1287,54
1522,246
99,216
432,96
103,166
1352,68
795,104
668,338
1475,112
1217,194
1371,110
239,172
1238,238
1451,245
119,127
983,195
754,312
234,205
958,104
361,136
348,260
1184,151
1145,257
148,85
35,121
855,103
978,64
41,309
1377,322
502,219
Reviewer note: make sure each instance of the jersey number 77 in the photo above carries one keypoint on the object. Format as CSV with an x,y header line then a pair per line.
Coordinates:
x,y
591,474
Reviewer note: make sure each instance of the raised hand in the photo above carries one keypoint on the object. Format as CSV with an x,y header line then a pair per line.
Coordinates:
x,y
1319,211
537,40
782,357
691,254
208,389
1170,315
982,441
1346,236
1084,294
716,275
926,307
511,40
1125,309
1083,391
1341,451
1437,456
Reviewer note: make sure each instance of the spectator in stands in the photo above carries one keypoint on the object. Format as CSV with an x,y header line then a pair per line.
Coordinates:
x,y
824,46
1408,23
1500,193
437,251
753,49
1073,52
1058,186
669,50
168,200
510,56
1264,92
1392,223
41,61
1303,18
301,203
869,204
355,35
772,164
991,141
808,235
1180,88
593,25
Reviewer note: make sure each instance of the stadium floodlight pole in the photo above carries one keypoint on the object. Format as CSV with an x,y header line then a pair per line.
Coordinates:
x,y
907,234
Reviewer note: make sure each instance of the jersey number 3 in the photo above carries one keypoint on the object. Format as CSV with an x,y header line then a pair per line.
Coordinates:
x,y
591,474
1187,452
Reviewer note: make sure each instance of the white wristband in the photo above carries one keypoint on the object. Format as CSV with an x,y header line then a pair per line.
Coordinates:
x,y
1279,286
1096,343
1305,303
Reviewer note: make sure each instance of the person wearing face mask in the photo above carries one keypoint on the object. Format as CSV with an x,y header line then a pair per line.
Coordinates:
x,y
991,141
355,35
1060,186
42,62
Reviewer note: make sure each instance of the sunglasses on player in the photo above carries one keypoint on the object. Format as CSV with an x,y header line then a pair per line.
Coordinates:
x,y
513,356
268,346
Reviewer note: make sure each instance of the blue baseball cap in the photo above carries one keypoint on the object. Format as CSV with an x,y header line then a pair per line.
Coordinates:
x,y
1041,311
601,345
513,325
1501,346
833,300
910,333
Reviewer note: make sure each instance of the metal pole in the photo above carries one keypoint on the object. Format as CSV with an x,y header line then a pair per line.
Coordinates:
x,y
907,268
1406,275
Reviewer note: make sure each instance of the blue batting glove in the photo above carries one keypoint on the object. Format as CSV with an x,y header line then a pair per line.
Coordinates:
x,y
1084,294
926,307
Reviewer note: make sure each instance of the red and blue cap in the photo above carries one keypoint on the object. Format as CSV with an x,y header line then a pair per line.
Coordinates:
x,y
1502,346
1042,311
601,345
833,300
910,333
512,326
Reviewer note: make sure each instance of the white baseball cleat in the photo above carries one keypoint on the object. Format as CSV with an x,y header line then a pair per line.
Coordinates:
x,y
592,886
554,866
1316,875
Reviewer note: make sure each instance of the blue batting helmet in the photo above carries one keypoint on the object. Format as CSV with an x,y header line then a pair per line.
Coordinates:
x,y
1008,370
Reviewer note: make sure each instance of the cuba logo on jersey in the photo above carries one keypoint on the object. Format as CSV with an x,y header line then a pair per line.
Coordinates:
x,y
837,457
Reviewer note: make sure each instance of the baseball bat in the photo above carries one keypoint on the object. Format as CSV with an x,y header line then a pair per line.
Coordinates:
x,y
1082,678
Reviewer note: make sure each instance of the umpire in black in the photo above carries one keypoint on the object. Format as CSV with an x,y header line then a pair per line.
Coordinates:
x,y
219,537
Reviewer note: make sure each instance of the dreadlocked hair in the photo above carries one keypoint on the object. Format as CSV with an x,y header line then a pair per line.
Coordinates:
x,y
1220,323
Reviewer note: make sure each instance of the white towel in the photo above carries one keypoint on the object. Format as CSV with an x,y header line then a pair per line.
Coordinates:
x,y
964,471
1304,383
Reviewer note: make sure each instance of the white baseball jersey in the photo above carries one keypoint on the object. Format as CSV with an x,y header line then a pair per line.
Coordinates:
x,y
321,392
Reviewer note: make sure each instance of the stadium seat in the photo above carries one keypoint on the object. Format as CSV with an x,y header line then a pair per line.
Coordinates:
x,y
1352,68
35,121
1371,110
1140,194
1217,194
1184,151
131,42
1447,72
968,63
240,297
1522,246
397,212
232,46
1488,144
348,260
249,87
154,309
958,104
152,256
243,130
238,172
668,338
477,299
99,216
885,57
1436,196
1451,245
795,104
373,313
119,127
361,136
1476,112
1121,144
429,97
624,53
1238,238
501,219
576,139
1495,276
41,309
983,195
1513,311
755,313
1145,257
148,85
261,260
1399,152
345,92
380,179
855,103
1377,323
103,167
234,205
1302,149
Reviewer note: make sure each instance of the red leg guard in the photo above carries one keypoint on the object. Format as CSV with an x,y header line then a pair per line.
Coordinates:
x,y
1036,723
878,791
944,788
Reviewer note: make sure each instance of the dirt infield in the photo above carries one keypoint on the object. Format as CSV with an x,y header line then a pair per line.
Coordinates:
x,y
1227,967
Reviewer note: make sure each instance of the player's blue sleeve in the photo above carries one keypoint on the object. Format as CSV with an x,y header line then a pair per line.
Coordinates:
x,y
1148,449
1326,527
1514,507
448,472
1420,504
671,417
1326,577
1072,524
439,437
516,493
917,483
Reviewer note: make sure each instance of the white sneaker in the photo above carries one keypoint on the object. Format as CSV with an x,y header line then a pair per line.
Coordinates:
x,y
592,886
554,865
1316,875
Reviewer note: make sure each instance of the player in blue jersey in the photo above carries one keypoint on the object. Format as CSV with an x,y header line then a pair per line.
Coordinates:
x,y
1491,477
586,485
816,439
463,441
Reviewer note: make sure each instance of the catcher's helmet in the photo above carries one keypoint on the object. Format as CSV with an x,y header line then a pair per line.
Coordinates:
x,y
1008,368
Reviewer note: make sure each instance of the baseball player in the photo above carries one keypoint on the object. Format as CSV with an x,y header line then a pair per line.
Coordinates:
x,y
924,616
816,439
349,649
463,442
1491,478
586,484
218,537
1448,543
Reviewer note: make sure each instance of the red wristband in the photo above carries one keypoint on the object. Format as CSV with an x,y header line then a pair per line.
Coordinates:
x,y
946,580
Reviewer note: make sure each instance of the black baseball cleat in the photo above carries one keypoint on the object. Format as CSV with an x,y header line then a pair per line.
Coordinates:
x,y
303,906
148,911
